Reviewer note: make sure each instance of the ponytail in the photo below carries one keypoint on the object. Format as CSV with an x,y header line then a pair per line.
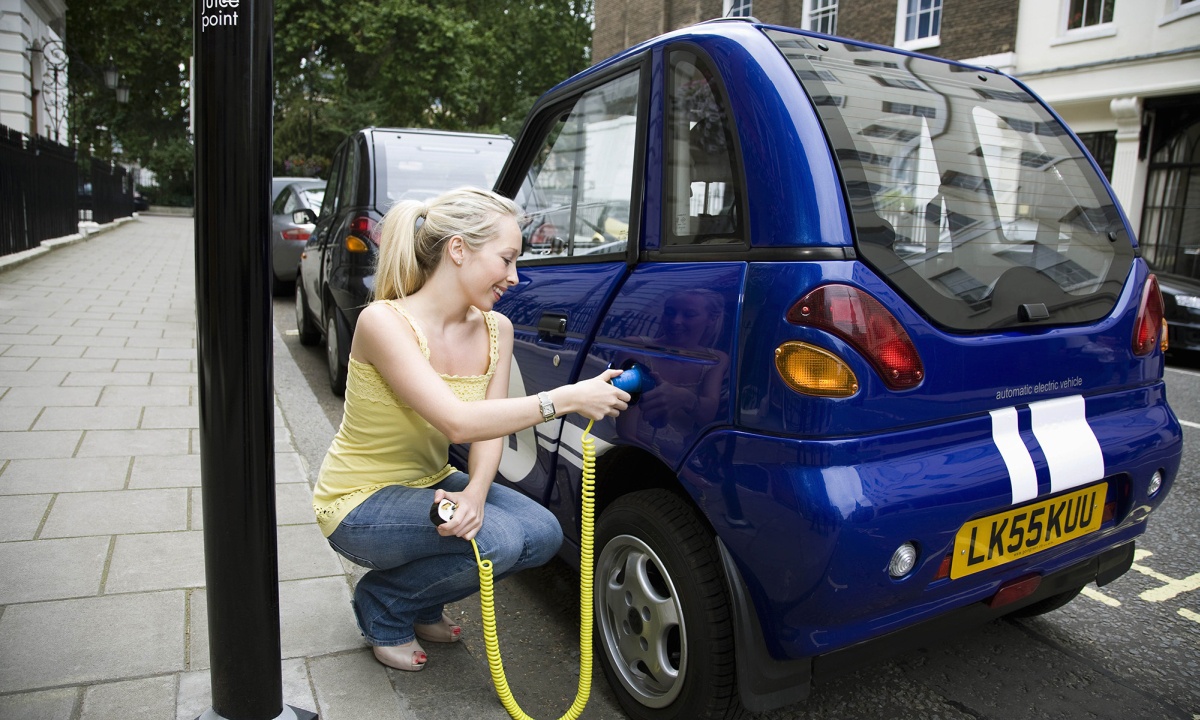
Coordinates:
x,y
412,235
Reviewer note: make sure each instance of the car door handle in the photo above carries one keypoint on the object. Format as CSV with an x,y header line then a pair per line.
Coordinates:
x,y
552,327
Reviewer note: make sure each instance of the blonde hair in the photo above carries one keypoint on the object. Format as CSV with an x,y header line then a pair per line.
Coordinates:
x,y
413,235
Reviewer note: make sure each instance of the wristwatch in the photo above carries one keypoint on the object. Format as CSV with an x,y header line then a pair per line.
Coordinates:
x,y
547,406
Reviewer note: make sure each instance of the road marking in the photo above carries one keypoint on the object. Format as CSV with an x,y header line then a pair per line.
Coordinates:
x,y
1187,423
1170,588
1101,597
1195,616
1184,372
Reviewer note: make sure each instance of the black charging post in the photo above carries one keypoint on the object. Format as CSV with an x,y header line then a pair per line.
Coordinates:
x,y
232,115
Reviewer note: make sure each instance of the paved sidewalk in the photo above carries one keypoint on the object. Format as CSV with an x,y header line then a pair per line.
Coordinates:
x,y
102,605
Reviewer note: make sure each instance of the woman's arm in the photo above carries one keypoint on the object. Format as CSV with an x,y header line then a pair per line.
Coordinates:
x,y
385,339
484,457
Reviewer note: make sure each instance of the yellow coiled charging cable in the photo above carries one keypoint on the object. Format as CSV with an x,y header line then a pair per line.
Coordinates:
x,y
487,599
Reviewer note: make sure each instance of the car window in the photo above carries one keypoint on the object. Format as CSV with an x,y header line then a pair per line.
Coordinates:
x,y
335,178
703,185
577,192
313,197
422,165
281,203
349,176
292,203
966,193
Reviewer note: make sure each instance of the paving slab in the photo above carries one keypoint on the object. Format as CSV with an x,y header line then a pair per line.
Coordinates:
x,y
156,561
22,515
16,445
13,363
18,418
51,569
144,396
171,417
74,364
143,699
70,642
102,443
89,418
117,511
44,705
29,378
56,475
160,471
354,686
50,397
305,553
19,348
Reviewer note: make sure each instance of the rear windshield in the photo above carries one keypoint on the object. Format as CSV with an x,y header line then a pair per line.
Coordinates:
x,y
420,166
965,193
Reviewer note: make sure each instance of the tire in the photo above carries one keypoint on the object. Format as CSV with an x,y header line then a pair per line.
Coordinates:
x,y
1050,604
335,357
309,333
660,600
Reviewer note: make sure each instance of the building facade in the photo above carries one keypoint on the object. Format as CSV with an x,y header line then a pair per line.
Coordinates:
x,y
33,68
1123,74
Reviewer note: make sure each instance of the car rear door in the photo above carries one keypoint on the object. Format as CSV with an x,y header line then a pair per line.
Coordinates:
x,y
577,173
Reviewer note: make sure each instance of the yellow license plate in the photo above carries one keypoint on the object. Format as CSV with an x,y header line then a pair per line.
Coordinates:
x,y
1007,536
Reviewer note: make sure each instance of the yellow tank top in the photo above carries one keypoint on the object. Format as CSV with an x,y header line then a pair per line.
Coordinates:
x,y
382,441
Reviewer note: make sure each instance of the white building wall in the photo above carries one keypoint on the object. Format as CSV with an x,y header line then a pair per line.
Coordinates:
x,y
1097,78
22,24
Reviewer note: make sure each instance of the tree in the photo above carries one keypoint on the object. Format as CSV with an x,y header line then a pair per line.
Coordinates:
x,y
149,43
454,64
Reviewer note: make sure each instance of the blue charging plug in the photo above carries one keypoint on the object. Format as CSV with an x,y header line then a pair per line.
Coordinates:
x,y
635,380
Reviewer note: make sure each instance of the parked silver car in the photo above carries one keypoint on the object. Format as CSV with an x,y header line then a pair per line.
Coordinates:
x,y
293,215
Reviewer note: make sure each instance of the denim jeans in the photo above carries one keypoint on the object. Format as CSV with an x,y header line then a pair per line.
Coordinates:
x,y
414,571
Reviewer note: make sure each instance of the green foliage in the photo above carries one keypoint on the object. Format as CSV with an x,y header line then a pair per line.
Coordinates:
x,y
339,65
149,41
475,65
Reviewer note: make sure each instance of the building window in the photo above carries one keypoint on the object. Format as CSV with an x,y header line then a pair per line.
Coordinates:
x,y
1086,13
739,8
918,24
1103,147
1170,236
821,16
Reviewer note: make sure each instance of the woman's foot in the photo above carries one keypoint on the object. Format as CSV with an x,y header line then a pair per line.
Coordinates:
x,y
442,632
410,656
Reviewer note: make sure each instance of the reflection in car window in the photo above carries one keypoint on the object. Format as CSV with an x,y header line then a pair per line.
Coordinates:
x,y
577,192
421,166
703,189
966,193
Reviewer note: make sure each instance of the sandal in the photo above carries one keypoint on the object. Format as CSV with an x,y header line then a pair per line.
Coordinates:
x,y
410,656
441,632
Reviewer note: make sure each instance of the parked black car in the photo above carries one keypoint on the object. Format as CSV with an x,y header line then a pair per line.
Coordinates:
x,y
372,169
1181,309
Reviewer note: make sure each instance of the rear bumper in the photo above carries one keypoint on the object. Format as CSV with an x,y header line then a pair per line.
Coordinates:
x,y
766,683
810,525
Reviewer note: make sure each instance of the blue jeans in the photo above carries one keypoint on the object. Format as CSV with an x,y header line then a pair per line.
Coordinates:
x,y
414,571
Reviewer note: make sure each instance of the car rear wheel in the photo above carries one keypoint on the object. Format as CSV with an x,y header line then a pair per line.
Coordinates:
x,y
662,614
309,333
335,353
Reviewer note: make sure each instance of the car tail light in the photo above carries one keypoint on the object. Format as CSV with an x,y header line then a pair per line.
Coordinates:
x,y
296,234
362,231
1149,324
868,326
1015,590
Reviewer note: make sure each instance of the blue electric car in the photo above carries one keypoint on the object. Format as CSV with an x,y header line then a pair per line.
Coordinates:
x,y
903,360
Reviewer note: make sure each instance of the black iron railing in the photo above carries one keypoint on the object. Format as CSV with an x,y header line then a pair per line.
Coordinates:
x,y
45,191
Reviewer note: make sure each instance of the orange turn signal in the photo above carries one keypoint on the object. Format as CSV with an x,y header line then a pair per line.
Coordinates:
x,y
812,370
355,244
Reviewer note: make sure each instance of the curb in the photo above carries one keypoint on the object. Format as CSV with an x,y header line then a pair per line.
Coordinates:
x,y
87,230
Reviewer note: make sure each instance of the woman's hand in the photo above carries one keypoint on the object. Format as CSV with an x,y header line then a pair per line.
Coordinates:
x,y
468,516
597,398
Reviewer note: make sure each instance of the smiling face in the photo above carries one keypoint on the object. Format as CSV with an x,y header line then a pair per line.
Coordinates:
x,y
492,269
